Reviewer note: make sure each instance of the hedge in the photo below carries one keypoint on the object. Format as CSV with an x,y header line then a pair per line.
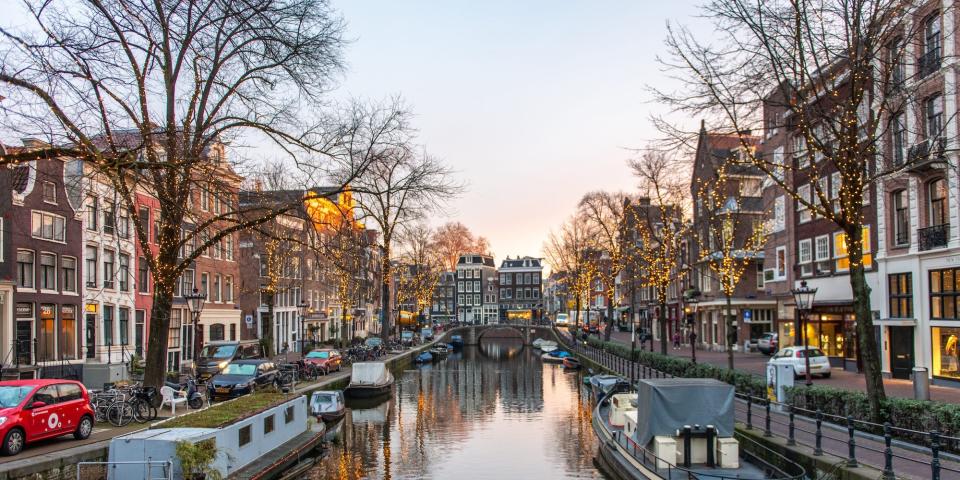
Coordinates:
x,y
918,415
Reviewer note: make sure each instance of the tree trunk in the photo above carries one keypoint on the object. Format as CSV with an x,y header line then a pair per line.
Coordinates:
x,y
576,316
267,340
385,273
865,333
155,370
343,328
609,327
663,326
731,334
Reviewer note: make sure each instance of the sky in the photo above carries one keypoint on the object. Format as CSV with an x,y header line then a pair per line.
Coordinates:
x,y
532,103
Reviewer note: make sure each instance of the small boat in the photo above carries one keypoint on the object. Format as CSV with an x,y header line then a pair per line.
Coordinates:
x,y
571,363
555,356
369,379
441,350
537,343
548,346
456,341
425,357
601,385
328,405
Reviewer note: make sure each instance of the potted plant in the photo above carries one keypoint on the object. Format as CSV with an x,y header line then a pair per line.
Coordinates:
x,y
196,460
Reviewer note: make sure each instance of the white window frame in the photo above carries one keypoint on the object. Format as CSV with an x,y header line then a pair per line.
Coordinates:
x,y
34,214
809,250
777,267
803,191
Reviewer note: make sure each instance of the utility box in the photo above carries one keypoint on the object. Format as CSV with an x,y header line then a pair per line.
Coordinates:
x,y
665,448
95,375
728,451
779,378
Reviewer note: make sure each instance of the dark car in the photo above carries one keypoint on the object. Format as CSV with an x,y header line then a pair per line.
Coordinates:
x,y
241,377
218,354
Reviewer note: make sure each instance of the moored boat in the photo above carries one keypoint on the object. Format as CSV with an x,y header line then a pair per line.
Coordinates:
x,y
328,405
537,343
548,346
369,379
679,428
456,341
571,363
424,357
601,385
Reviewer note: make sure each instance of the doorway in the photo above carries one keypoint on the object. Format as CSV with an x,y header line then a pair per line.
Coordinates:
x,y
91,335
901,352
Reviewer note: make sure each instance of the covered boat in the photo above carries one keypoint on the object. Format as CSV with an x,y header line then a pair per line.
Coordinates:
x,y
679,428
601,385
548,346
441,350
424,357
536,343
328,405
369,379
456,341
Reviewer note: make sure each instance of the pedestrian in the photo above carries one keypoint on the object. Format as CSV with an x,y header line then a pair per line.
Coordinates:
x,y
676,340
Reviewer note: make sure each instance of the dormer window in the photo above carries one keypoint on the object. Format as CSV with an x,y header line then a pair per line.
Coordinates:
x,y
49,190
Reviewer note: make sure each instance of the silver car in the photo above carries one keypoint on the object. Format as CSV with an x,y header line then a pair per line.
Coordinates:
x,y
768,343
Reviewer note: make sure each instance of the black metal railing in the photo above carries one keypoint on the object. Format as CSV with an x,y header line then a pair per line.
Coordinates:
x,y
929,62
920,450
936,236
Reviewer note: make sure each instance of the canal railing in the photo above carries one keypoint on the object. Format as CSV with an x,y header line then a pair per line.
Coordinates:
x,y
850,440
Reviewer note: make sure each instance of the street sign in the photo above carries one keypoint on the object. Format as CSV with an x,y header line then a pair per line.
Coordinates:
x,y
747,315
248,320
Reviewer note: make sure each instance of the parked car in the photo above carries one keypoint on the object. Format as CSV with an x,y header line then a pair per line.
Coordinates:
x,y
768,343
406,337
819,363
241,377
561,320
216,355
32,410
326,359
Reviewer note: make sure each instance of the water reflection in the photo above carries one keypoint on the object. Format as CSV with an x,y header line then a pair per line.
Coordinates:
x,y
489,412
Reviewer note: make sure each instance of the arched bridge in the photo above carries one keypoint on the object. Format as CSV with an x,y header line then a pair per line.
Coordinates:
x,y
473,334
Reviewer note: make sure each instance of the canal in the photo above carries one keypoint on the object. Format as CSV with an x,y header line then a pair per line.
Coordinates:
x,y
493,411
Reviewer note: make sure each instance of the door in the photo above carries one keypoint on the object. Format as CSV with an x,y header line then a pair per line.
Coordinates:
x,y
901,352
70,405
25,342
91,335
45,421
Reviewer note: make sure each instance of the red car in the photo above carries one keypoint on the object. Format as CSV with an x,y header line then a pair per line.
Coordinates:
x,y
325,359
32,410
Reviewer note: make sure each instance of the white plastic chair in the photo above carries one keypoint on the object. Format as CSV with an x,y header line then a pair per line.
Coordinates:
x,y
171,398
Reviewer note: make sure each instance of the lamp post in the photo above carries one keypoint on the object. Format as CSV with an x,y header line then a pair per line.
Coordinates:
x,y
195,301
803,297
692,312
302,310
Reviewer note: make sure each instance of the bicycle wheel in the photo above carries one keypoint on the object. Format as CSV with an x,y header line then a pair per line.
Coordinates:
x,y
120,413
285,378
141,410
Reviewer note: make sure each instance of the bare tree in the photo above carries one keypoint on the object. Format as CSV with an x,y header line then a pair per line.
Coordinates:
x,y
659,229
419,254
453,239
604,213
569,253
836,72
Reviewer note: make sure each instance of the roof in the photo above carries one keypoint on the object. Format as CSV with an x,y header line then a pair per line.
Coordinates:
x,y
521,262
475,259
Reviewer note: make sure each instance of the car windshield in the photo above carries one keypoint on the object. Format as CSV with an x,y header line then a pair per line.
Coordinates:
x,y
318,355
240,369
218,351
324,399
12,396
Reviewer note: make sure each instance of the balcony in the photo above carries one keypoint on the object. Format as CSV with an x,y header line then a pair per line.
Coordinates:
x,y
929,62
934,237
927,155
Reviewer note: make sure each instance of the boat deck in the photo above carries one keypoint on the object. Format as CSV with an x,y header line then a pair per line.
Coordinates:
x,y
273,462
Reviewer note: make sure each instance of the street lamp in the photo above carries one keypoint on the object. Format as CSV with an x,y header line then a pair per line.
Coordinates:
x,y
803,297
692,312
195,301
302,309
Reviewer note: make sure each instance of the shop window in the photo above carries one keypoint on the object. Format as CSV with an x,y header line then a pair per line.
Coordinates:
x,y
946,352
46,333
944,293
67,336
901,295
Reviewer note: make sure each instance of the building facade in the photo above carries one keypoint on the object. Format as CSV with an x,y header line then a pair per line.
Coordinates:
x,y
476,285
521,289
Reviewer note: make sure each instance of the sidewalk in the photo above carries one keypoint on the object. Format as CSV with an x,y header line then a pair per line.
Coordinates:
x,y
755,363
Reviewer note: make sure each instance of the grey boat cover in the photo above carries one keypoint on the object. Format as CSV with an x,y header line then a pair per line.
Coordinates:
x,y
665,405
370,374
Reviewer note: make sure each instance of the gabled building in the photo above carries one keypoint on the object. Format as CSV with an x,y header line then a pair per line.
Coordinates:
x,y
521,288
443,307
476,289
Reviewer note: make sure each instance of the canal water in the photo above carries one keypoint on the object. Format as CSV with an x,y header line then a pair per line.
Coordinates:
x,y
494,411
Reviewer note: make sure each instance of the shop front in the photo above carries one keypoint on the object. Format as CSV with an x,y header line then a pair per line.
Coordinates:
x,y
832,329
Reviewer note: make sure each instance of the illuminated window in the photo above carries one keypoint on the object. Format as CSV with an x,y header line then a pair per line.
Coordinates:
x,y
840,250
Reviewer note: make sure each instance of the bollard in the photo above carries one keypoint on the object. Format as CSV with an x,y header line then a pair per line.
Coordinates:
x,y
766,427
887,453
749,412
935,454
791,440
817,449
852,461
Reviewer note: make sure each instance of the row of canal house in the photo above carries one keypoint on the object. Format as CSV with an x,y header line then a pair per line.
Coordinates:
x,y
75,289
911,219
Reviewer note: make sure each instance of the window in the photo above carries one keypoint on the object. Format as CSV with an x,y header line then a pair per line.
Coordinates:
x,y
173,335
898,133
781,266
138,332
47,226
25,272
49,192
805,256
937,194
48,271
931,46
822,253
536,278
124,272
779,214
840,250
803,212
92,213
186,282
244,436
288,415
143,276
228,289
109,217
268,424
901,218
123,319
944,294
204,199
835,184
778,169
145,221
216,331
123,226
108,324
204,283
215,295
233,331
897,68
68,267
108,271
760,281
264,267
90,266
901,295
800,151
933,111
228,247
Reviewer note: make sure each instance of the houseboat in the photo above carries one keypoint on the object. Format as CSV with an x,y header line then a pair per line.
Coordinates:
x,y
369,379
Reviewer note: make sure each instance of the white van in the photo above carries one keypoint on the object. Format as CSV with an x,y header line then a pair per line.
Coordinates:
x,y
562,319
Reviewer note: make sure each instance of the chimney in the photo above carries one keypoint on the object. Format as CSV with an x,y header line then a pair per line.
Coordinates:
x,y
644,201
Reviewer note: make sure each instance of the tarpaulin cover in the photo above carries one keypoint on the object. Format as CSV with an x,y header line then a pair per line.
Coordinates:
x,y
666,405
370,373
